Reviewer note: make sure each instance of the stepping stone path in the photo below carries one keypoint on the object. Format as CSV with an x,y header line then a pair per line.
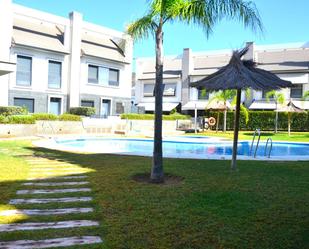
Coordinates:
x,y
45,173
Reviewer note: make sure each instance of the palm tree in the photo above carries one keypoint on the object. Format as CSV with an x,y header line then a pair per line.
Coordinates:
x,y
279,99
205,13
223,96
306,95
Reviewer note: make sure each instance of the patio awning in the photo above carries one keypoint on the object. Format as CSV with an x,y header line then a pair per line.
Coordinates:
x,y
166,106
191,105
7,67
262,105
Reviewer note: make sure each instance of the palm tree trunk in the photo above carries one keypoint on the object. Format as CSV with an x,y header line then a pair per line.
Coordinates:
x,y
289,123
157,174
236,129
224,124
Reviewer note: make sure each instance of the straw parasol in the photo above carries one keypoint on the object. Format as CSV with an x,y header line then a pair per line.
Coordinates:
x,y
289,108
240,74
218,105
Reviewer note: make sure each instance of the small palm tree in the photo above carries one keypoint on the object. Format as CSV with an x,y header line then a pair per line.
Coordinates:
x,y
279,99
204,13
223,96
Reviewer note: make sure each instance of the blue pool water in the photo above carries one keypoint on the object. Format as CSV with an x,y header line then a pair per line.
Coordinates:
x,y
184,147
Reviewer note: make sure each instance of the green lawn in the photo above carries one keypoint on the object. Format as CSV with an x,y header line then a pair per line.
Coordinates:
x,y
247,135
263,205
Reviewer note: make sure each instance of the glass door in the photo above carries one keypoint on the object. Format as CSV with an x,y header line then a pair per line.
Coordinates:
x,y
105,108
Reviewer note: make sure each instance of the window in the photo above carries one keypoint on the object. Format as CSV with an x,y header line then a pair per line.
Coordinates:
x,y
103,76
105,108
93,74
148,90
202,94
297,91
119,108
27,103
55,106
169,89
54,74
87,103
113,77
23,70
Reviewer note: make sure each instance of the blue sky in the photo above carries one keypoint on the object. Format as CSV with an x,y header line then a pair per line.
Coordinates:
x,y
285,21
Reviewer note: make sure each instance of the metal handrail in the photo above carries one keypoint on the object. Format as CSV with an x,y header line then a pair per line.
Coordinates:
x,y
271,146
257,131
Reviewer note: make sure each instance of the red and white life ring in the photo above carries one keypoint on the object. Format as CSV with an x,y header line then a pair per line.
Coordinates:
x,y
211,121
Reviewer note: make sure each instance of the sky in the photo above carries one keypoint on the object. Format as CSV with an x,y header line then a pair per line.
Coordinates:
x,y
284,21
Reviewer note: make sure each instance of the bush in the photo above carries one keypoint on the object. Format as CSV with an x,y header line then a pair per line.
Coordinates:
x,y
12,110
69,117
44,116
135,116
20,119
3,119
265,120
82,111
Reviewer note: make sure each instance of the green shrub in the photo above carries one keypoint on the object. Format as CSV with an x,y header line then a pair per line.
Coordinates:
x,y
20,119
12,110
265,120
136,116
82,111
44,116
69,117
3,119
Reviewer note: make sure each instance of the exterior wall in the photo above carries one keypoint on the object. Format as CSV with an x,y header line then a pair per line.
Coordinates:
x,y
41,99
97,99
74,72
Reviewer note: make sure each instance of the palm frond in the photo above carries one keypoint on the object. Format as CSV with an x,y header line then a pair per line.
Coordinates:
x,y
142,27
306,95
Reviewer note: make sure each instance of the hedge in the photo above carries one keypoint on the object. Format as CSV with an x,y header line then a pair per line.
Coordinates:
x,y
82,111
69,117
45,116
265,120
136,116
17,119
12,110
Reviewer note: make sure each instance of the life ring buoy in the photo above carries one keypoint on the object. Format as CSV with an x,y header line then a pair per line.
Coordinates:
x,y
211,121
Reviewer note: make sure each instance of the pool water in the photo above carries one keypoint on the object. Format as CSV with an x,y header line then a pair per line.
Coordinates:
x,y
183,147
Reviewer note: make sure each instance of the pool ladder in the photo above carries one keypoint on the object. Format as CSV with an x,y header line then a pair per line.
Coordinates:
x,y
269,141
258,132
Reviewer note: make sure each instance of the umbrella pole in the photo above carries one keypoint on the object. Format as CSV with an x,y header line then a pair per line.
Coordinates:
x,y
236,129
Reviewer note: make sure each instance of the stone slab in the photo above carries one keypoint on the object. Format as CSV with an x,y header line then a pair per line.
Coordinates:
x,y
50,243
58,177
55,183
46,225
42,212
49,200
52,191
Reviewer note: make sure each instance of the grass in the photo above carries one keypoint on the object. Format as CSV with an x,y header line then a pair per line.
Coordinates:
x,y
247,135
262,205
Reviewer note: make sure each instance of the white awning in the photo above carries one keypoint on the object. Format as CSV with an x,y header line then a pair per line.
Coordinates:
x,y
38,40
151,106
301,104
263,105
7,67
191,105
203,105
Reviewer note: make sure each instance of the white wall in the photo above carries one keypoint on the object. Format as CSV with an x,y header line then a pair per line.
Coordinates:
x,y
139,92
125,82
39,81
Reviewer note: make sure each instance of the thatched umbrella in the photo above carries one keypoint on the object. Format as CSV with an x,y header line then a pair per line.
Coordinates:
x,y
289,108
240,74
218,106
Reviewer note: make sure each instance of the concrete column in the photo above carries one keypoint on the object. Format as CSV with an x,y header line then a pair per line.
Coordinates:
x,y
187,68
76,21
6,29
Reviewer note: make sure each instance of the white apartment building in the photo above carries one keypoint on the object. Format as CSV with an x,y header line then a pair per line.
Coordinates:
x,y
55,63
288,61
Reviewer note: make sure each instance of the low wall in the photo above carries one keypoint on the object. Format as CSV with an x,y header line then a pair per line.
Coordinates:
x,y
89,125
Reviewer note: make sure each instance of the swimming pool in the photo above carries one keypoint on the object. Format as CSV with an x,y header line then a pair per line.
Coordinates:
x,y
180,147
